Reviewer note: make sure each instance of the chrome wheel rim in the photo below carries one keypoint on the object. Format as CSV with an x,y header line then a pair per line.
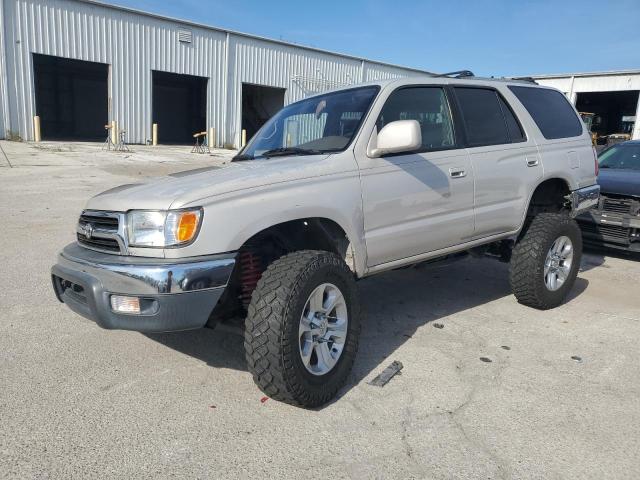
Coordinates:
x,y
558,263
323,329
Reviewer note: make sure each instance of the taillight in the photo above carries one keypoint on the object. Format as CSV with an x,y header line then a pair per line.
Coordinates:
x,y
595,159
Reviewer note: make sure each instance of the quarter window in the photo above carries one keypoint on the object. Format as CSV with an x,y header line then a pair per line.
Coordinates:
x,y
482,115
515,129
553,114
429,107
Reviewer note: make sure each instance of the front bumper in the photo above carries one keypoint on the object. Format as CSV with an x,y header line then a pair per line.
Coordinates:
x,y
584,199
174,294
620,231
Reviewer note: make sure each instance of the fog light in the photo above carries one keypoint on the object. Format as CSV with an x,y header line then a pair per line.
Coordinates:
x,y
122,304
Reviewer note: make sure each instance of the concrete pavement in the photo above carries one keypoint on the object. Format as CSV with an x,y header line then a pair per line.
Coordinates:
x,y
558,398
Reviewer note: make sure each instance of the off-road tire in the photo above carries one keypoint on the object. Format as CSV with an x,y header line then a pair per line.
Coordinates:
x,y
526,272
271,328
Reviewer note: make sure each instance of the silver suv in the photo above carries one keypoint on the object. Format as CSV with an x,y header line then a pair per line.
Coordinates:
x,y
332,189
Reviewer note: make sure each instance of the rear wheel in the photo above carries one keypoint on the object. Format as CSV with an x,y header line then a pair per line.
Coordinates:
x,y
302,328
545,261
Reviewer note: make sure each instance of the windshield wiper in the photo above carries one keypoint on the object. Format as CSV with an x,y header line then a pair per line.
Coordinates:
x,y
240,158
279,152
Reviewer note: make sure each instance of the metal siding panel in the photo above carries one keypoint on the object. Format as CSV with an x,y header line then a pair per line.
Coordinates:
x,y
4,110
135,44
275,65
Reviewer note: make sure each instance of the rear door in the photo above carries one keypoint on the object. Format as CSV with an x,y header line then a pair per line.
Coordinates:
x,y
419,201
565,145
505,161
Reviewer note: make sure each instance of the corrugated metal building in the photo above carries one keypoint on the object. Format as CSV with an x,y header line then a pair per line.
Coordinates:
x,y
146,68
614,97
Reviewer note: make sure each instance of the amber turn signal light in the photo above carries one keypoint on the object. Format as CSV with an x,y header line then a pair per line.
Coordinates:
x,y
187,226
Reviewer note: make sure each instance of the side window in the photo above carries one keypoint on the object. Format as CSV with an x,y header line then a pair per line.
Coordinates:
x,y
513,125
429,107
551,111
482,115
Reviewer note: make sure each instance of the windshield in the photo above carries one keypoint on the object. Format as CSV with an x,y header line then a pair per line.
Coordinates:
x,y
622,156
324,123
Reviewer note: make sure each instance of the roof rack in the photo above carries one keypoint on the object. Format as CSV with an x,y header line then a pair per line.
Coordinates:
x,y
525,79
456,74
469,74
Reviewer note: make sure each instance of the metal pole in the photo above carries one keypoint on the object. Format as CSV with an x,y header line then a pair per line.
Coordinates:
x,y
635,133
36,129
154,135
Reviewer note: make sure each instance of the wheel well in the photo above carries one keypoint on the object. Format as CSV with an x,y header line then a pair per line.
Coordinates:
x,y
264,247
303,234
550,196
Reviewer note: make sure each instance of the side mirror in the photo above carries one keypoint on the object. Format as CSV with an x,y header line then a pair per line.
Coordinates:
x,y
396,137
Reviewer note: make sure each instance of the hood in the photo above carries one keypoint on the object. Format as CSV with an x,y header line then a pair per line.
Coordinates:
x,y
619,181
185,188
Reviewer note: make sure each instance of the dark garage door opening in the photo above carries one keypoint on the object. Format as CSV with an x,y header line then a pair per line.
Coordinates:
x,y
179,106
71,98
614,109
259,104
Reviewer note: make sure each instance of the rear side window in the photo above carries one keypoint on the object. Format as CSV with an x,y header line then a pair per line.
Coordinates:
x,y
551,111
482,115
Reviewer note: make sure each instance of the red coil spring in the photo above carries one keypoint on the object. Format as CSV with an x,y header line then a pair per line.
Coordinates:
x,y
250,273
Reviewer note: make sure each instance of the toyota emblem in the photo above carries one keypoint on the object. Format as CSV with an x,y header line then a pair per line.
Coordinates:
x,y
87,230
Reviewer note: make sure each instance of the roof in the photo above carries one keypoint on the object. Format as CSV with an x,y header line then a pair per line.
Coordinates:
x,y
588,74
242,34
429,79
433,78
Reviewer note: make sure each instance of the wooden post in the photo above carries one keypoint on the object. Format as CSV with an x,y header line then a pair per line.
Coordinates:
x,y
154,135
114,132
244,138
212,137
36,129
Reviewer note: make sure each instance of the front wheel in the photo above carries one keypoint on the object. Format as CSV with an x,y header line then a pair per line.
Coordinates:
x,y
302,328
545,261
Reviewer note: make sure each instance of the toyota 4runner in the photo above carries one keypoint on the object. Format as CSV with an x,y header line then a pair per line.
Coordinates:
x,y
334,188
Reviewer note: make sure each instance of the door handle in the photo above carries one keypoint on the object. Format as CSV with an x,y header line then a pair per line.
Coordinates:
x,y
532,162
457,172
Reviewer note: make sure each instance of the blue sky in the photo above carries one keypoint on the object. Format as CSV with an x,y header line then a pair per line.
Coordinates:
x,y
500,37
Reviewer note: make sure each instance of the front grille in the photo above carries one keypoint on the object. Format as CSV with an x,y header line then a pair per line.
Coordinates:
x,y
99,231
616,205
107,244
99,221
607,232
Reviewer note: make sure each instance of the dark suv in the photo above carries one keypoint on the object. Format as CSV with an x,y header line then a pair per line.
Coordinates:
x,y
615,223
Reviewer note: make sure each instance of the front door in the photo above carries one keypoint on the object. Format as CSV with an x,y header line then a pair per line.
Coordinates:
x,y
421,201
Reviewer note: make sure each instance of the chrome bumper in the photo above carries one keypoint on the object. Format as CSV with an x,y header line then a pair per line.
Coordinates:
x,y
180,294
584,199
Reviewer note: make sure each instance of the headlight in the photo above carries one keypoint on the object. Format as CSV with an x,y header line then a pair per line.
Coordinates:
x,y
162,228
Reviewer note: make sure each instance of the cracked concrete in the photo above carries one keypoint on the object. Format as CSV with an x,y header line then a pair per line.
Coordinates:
x,y
77,401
